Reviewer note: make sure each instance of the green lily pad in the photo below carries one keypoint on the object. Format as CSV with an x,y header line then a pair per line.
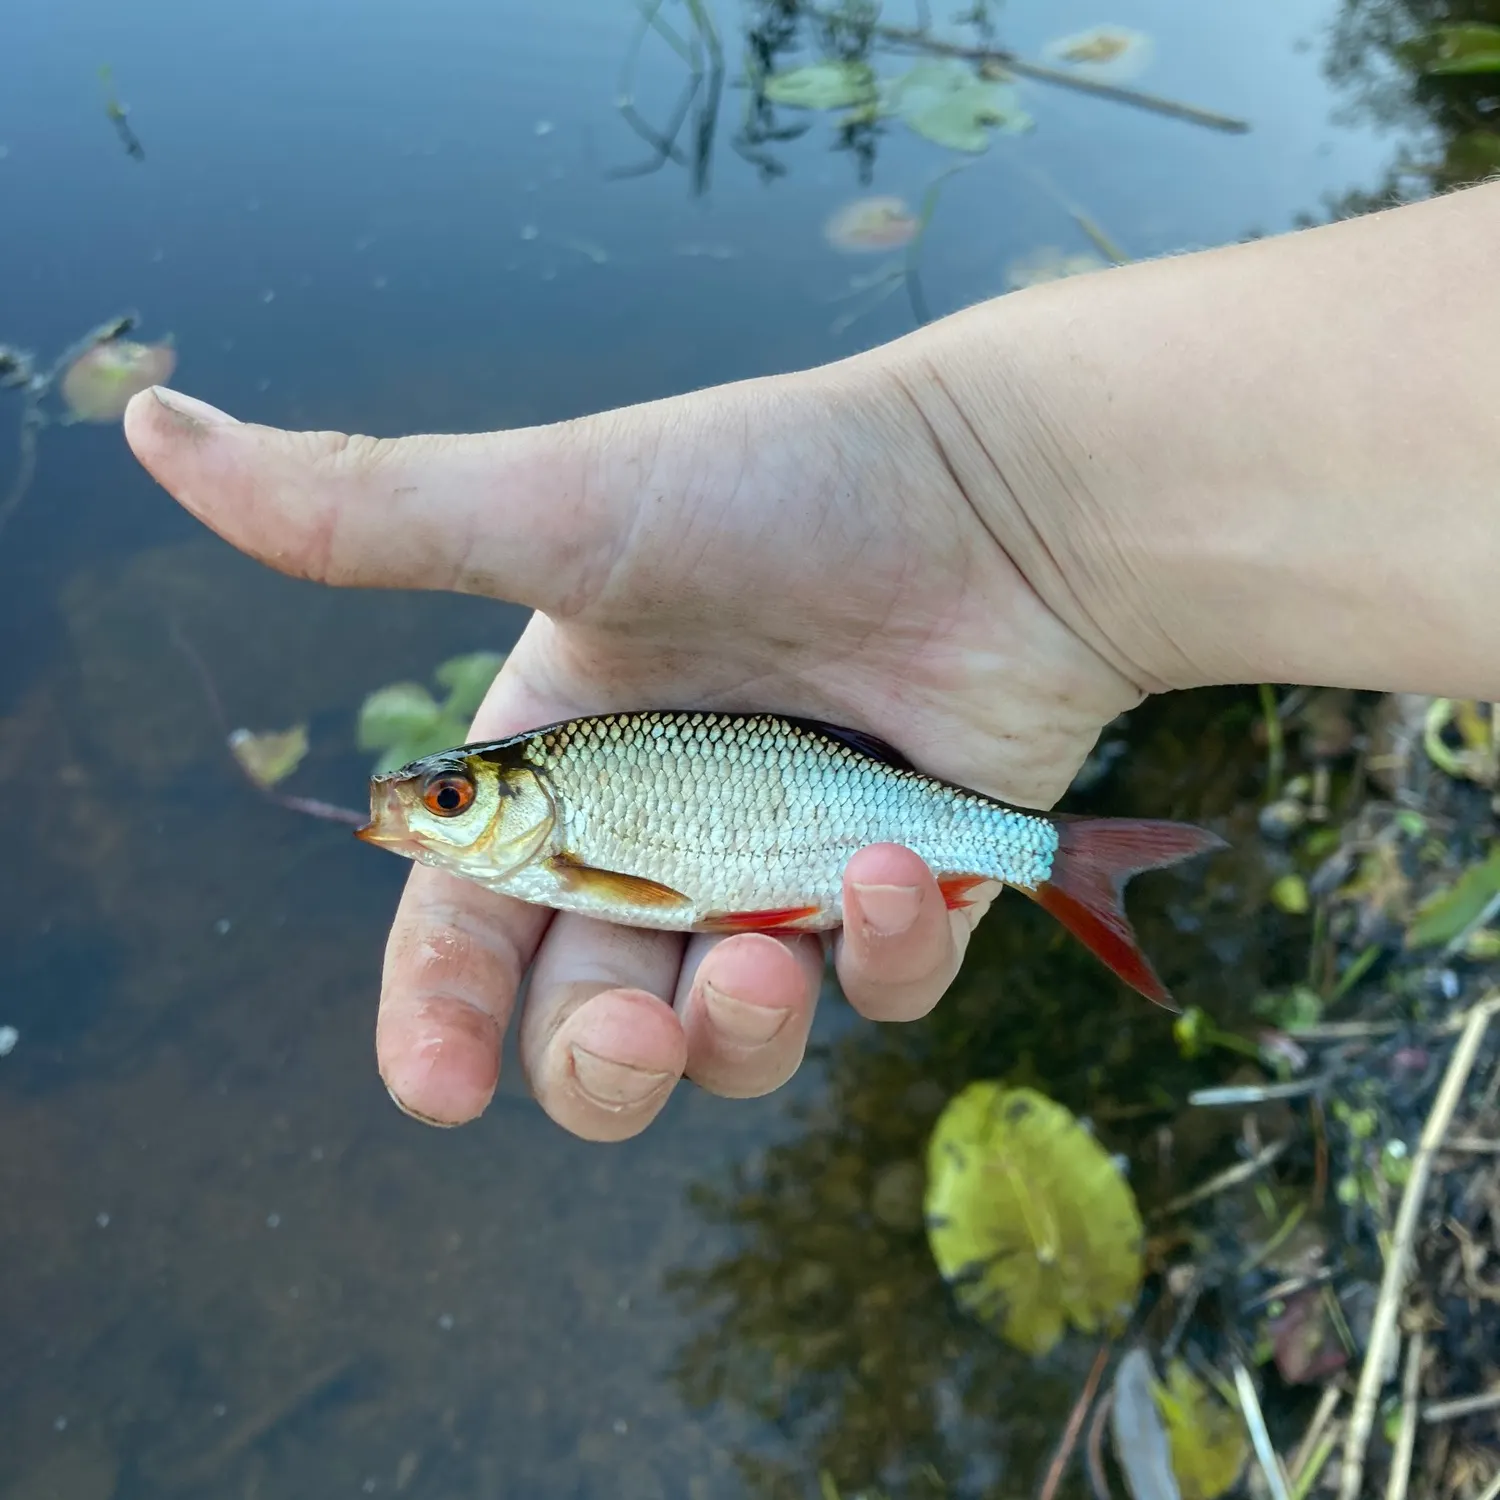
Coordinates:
x,y
395,713
1207,1438
945,102
1029,1219
468,679
1445,914
828,85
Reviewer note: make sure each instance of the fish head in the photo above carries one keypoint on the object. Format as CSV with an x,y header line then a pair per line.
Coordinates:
x,y
462,812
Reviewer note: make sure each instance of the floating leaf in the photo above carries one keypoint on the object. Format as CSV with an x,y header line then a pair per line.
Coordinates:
x,y
395,713
100,383
1106,54
1446,913
1473,48
945,102
1207,1438
467,679
1028,1218
828,85
270,757
442,733
872,224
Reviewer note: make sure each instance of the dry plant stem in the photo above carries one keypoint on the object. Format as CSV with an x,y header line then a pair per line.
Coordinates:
x,y
1139,98
1398,1262
1328,1404
1221,1182
1260,1439
1094,1448
1460,1406
1406,1438
1058,1467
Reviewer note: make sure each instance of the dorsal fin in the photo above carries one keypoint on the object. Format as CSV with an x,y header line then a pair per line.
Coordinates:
x,y
856,739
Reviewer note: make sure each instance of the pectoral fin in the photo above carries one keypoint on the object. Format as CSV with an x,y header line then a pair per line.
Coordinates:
x,y
611,885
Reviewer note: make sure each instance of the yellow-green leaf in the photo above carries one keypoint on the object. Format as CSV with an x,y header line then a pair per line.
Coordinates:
x,y
1471,48
1028,1218
1207,1438
272,756
1445,913
830,85
947,103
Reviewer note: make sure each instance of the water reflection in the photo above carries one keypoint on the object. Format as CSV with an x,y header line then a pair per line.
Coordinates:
x,y
230,1268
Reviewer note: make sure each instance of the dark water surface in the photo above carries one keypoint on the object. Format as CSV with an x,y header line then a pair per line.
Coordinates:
x,y
228,1266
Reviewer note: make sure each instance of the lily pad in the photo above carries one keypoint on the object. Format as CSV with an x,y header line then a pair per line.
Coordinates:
x,y
1050,264
272,756
395,713
828,85
949,105
100,383
404,721
1105,54
1207,1438
1029,1219
468,679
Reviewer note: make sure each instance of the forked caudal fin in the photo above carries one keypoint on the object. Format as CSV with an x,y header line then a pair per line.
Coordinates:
x,y
1094,860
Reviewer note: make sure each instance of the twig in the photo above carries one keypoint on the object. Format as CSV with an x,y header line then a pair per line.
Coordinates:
x,y
1328,1404
1477,1144
1058,1467
1220,1098
1406,1437
1220,1182
1461,1406
1255,1424
312,807
1139,98
1397,1265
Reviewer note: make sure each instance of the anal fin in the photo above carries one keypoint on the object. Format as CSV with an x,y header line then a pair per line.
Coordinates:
x,y
777,919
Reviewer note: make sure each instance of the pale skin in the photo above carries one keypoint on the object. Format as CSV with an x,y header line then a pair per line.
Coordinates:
x,y
982,542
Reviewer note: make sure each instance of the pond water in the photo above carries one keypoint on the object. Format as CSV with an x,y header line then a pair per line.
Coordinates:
x,y
228,1266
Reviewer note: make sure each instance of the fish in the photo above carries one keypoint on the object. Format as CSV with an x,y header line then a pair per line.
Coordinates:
x,y
699,821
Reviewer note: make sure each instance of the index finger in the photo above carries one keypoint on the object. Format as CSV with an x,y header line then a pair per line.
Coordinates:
x,y
453,968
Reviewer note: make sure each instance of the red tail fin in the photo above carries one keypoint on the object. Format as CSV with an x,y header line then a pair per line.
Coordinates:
x,y
1095,857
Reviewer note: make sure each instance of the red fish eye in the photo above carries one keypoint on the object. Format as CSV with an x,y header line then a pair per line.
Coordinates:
x,y
448,794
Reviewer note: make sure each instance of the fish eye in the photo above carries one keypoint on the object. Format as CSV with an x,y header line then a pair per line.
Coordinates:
x,y
448,794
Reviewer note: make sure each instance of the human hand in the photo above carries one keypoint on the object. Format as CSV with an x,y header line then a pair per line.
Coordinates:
x,y
805,544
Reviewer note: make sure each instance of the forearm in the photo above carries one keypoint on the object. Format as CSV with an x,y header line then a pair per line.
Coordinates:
x,y
1278,461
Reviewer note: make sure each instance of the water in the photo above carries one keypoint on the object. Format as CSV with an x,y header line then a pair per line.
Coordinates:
x,y
228,1266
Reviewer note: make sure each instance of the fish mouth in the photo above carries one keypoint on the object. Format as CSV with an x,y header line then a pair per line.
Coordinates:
x,y
387,827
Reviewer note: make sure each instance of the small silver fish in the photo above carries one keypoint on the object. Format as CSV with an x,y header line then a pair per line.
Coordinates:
x,y
716,822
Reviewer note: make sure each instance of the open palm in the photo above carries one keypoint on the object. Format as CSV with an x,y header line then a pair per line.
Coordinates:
x,y
802,544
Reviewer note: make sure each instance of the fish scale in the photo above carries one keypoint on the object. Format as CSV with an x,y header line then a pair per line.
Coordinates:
x,y
759,813
714,822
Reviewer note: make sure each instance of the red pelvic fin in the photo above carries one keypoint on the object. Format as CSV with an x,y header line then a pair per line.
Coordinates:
x,y
1094,860
776,920
956,888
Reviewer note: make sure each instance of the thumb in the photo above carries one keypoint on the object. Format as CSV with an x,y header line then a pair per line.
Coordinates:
x,y
527,516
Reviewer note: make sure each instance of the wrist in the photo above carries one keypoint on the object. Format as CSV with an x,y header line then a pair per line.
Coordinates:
x,y
1271,462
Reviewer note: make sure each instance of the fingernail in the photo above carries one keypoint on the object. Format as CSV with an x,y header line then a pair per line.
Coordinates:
x,y
615,1084
190,411
413,1114
754,1025
888,910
